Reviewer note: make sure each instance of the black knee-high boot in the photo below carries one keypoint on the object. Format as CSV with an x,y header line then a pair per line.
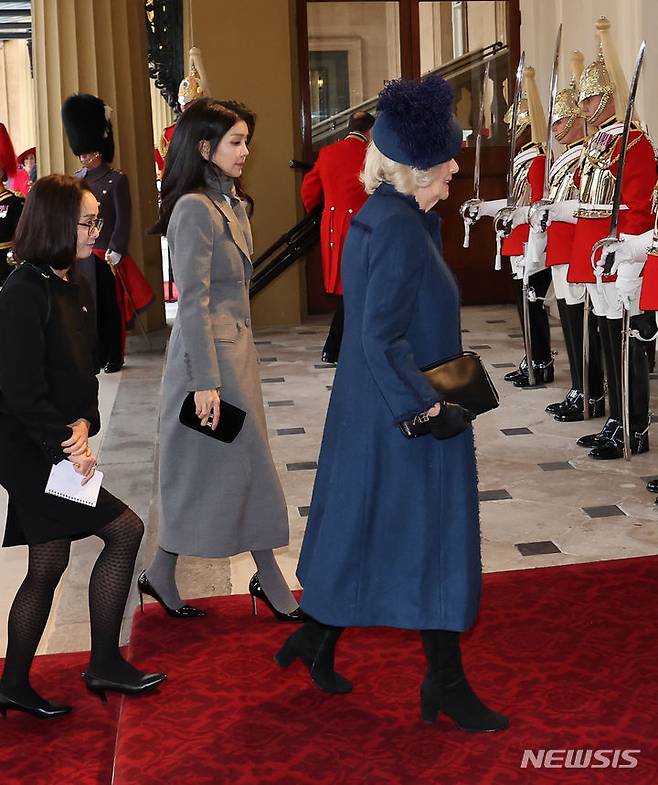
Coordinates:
x,y
315,645
570,343
445,687
574,411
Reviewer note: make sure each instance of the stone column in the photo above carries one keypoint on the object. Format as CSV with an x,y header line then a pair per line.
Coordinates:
x,y
99,47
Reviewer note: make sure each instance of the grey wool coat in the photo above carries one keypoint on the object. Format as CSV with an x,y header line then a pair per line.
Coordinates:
x,y
217,499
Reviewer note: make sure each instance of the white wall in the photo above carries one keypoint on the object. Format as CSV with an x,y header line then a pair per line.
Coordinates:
x,y
631,21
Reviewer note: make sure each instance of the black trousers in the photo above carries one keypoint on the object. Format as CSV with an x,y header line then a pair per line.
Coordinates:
x,y
334,339
540,333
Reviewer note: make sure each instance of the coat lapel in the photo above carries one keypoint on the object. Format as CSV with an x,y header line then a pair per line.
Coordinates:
x,y
234,227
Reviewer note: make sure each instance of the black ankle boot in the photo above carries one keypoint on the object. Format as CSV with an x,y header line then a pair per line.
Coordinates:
x,y
315,645
604,435
517,373
556,408
613,449
575,412
544,373
445,687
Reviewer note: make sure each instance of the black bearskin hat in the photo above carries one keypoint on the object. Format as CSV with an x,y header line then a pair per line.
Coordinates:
x,y
87,124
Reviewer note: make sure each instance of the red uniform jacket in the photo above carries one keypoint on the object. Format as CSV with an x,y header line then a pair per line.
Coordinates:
x,y
513,245
637,186
559,235
649,292
163,146
336,177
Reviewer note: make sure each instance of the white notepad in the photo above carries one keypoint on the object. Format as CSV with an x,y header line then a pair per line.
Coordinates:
x,y
64,482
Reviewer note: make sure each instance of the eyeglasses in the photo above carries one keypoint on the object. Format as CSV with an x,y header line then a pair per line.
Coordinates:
x,y
96,224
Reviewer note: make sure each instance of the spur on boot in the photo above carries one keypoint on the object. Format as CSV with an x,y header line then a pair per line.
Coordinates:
x,y
614,447
140,686
556,408
458,701
544,373
256,590
604,435
184,612
315,644
652,486
38,707
575,412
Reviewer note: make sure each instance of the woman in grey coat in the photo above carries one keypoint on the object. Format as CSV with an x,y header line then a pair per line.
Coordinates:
x,y
217,499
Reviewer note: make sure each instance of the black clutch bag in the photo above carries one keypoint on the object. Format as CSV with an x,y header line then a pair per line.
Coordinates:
x,y
464,380
231,419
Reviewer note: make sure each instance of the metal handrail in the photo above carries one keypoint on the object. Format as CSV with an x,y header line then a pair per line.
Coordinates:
x,y
449,70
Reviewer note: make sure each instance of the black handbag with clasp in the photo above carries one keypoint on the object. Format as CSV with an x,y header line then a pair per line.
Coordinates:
x,y
463,379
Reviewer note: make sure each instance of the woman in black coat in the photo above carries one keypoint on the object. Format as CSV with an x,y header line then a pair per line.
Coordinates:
x,y
48,411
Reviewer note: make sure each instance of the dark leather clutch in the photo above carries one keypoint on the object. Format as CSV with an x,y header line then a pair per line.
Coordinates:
x,y
464,380
231,419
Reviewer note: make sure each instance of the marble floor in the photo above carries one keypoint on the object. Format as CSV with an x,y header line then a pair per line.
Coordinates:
x,y
543,501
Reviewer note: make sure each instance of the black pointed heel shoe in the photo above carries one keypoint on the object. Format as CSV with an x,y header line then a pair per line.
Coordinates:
x,y
256,590
184,612
44,710
315,645
100,686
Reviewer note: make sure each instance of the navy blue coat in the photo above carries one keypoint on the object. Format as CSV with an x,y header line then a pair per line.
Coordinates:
x,y
393,536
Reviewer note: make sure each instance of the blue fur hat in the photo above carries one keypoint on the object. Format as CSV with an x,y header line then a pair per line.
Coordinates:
x,y
415,123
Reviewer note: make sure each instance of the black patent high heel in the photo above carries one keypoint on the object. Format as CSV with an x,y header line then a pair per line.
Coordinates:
x,y
184,612
256,590
44,711
100,686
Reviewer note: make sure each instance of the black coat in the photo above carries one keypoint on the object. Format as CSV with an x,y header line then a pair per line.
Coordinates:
x,y
11,207
46,382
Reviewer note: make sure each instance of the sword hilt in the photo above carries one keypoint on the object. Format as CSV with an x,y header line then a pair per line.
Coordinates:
x,y
608,257
503,221
467,234
537,223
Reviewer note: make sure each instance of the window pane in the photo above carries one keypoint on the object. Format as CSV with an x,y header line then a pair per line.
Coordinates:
x,y
353,48
456,40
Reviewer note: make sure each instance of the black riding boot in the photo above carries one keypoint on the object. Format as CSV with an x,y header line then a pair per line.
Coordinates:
x,y
331,348
638,404
315,645
575,411
446,689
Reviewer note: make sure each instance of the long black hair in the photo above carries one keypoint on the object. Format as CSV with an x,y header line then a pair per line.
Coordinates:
x,y
186,170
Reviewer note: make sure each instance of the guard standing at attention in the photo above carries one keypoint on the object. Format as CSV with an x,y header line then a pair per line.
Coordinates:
x,y
120,289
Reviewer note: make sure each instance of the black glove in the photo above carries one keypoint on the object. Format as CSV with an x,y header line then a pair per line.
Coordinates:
x,y
452,420
449,422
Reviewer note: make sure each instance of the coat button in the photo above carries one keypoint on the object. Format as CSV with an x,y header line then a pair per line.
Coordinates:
x,y
350,211
104,192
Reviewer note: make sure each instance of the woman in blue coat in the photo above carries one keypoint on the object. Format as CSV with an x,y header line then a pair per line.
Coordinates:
x,y
393,535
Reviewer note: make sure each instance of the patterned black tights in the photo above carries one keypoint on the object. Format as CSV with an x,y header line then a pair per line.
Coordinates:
x,y
108,590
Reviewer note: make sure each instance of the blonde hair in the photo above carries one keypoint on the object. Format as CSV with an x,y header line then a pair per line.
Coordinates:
x,y
378,169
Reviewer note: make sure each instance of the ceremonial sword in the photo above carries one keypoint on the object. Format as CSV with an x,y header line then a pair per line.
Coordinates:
x,y
464,209
609,256
504,216
543,202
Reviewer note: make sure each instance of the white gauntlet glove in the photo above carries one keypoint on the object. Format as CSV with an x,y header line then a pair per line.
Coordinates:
x,y
113,257
490,208
557,211
520,216
628,285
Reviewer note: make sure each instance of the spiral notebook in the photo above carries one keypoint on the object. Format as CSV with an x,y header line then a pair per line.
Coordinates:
x,y
64,482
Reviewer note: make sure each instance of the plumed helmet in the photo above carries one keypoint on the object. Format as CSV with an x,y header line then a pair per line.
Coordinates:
x,y
415,122
566,101
7,154
87,124
522,117
194,85
595,79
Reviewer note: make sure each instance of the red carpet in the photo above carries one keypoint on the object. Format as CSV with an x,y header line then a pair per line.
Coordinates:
x,y
569,653
77,749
